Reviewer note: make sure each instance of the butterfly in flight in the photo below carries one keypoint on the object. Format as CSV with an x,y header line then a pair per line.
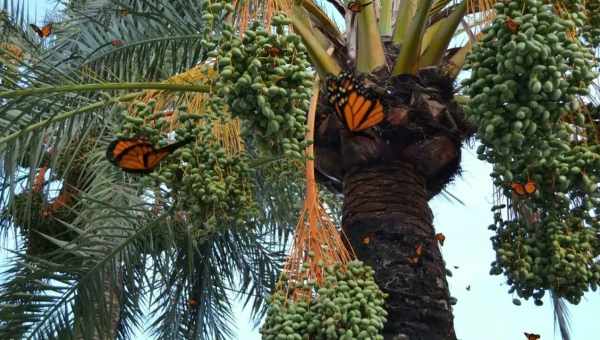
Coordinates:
x,y
138,155
43,32
356,6
531,336
440,238
354,105
524,189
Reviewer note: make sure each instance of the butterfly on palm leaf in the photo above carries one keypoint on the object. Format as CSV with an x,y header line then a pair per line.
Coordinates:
x,y
356,106
138,155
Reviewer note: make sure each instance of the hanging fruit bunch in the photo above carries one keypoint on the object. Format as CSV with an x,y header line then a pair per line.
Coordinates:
x,y
527,75
323,293
574,10
591,31
264,78
141,120
347,305
209,179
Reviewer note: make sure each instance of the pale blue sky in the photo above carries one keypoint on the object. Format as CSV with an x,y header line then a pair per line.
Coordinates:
x,y
486,311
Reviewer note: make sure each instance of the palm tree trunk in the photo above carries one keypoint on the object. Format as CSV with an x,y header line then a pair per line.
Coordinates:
x,y
386,217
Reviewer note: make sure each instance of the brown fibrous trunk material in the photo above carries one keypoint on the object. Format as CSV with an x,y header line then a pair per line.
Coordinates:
x,y
386,218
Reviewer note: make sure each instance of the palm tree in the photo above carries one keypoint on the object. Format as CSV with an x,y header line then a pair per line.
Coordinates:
x,y
95,246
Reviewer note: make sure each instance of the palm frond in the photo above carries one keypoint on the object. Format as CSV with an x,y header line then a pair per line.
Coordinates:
x,y
561,316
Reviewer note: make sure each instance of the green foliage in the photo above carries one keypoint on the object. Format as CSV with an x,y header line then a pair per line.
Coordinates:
x,y
203,179
349,305
527,74
265,80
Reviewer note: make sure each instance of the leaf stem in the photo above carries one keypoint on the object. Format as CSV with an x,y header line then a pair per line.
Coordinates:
x,y
103,86
66,115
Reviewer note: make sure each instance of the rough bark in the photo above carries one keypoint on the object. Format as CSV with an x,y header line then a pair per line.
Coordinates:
x,y
386,216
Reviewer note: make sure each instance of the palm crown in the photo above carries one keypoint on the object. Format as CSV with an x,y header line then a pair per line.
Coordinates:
x,y
95,247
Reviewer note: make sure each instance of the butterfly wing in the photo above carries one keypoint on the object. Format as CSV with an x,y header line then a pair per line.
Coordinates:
x,y
129,154
368,117
136,155
152,159
518,188
36,30
43,32
46,30
357,108
440,238
530,187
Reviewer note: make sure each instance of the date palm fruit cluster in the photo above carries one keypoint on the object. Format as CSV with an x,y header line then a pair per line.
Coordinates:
x,y
348,305
591,31
214,185
204,179
264,78
142,121
527,74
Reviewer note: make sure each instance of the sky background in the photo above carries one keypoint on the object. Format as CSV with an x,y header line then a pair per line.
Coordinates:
x,y
485,312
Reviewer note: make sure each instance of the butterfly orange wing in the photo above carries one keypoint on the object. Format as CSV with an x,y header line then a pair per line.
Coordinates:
x,y
418,252
368,118
130,154
46,30
43,32
153,158
355,107
530,187
518,188
137,155
440,238
531,336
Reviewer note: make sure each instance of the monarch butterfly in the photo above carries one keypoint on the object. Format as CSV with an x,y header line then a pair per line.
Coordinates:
x,y
356,6
418,253
353,104
531,336
43,32
138,155
273,51
61,201
524,189
117,42
440,238
512,25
